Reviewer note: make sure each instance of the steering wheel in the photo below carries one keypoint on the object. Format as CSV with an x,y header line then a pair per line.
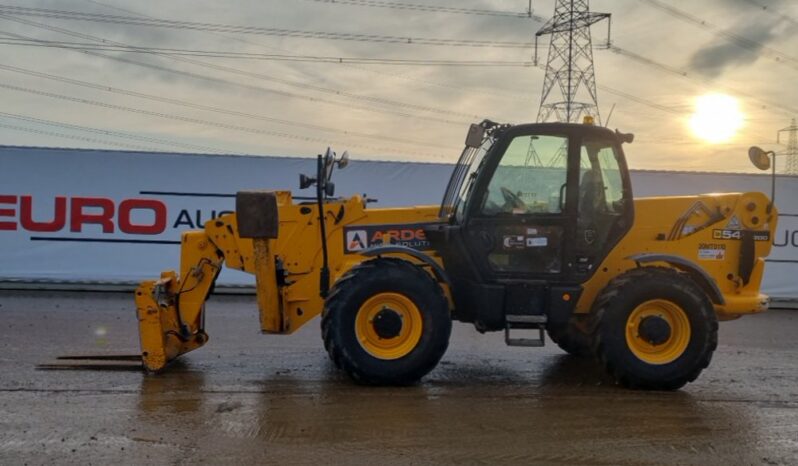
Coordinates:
x,y
512,200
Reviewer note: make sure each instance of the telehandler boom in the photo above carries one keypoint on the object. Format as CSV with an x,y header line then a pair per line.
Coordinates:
x,y
537,231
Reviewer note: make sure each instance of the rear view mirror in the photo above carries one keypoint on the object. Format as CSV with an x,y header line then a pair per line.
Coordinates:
x,y
625,138
475,136
759,158
329,157
343,161
305,181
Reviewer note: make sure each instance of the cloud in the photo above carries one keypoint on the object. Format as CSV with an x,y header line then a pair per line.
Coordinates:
x,y
742,44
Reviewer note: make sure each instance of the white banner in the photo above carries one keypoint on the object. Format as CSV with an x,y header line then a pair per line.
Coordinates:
x,y
114,216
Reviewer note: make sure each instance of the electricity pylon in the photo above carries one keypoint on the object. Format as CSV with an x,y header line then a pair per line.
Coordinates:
x,y
791,165
569,67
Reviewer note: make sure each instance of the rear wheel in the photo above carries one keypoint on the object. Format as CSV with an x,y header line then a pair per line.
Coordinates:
x,y
656,329
386,322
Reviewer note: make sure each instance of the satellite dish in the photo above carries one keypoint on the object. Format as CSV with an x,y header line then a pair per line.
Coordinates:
x,y
759,158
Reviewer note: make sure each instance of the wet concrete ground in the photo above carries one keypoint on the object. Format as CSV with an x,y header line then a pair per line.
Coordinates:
x,y
246,399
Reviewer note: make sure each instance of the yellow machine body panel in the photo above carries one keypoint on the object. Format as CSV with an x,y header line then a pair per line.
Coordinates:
x,y
299,249
706,230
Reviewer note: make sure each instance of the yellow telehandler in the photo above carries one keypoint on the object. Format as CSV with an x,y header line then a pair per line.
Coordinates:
x,y
537,232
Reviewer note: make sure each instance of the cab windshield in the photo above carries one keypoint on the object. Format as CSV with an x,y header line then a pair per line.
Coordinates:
x,y
463,178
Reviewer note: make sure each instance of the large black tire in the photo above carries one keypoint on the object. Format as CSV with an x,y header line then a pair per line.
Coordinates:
x,y
570,337
635,290
353,290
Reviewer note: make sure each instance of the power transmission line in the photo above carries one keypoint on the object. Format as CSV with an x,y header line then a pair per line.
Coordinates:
x,y
256,30
260,76
196,106
263,56
75,137
639,100
117,134
653,64
202,122
366,69
620,93
494,92
433,8
605,88
371,70
623,52
61,30
772,11
193,105
249,74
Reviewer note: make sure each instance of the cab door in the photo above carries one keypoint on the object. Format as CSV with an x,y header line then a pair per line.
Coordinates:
x,y
520,216
605,210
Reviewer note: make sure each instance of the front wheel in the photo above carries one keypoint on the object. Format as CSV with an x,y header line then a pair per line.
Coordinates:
x,y
386,322
656,329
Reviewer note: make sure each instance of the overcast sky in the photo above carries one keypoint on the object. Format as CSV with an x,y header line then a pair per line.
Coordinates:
x,y
113,99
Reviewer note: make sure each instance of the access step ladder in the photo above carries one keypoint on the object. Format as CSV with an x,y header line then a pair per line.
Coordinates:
x,y
525,322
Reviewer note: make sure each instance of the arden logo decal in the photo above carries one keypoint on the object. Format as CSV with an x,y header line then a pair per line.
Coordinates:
x,y
356,240
361,237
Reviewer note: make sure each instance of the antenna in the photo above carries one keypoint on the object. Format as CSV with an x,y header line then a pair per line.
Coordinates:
x,y
612,109
569,66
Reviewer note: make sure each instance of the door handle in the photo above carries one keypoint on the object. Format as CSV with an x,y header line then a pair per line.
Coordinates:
x,y
562,197
487,240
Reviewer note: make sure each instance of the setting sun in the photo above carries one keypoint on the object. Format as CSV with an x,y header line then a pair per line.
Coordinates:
x,y
717,118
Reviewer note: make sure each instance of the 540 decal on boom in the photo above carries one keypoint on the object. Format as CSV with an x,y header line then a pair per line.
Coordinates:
x,y
738,235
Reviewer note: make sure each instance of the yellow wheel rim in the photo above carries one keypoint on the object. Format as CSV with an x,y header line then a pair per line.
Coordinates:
x,y
396,346
671,348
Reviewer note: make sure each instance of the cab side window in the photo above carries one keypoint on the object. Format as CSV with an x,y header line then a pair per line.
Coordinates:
x,y
601,199
601,183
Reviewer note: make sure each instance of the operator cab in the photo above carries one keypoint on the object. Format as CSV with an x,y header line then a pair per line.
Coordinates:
x,y
530,210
